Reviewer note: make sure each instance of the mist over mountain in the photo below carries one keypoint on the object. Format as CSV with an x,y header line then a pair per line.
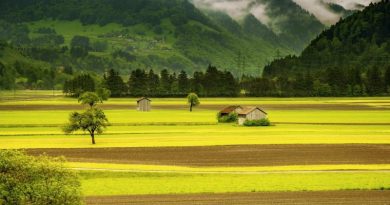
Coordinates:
x,y
262,9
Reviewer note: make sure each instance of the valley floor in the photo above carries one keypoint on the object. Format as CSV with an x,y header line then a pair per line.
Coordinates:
x,y
318,150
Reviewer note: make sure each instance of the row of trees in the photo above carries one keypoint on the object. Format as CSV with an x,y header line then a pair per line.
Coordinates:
x,y
213,82
331,82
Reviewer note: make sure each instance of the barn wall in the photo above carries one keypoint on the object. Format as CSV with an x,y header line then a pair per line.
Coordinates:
x,y
144,105
256,115
241,120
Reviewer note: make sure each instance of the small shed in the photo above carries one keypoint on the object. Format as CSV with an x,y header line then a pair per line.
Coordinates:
x,y
230,109
144,104
250,113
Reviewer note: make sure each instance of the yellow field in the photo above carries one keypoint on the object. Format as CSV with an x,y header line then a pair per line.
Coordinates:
x,y
25,123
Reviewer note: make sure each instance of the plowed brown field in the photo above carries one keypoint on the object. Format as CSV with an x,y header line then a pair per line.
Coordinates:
x,y
248,155
291,198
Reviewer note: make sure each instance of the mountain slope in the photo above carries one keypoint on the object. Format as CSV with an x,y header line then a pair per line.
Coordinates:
x,y
360,41
146,34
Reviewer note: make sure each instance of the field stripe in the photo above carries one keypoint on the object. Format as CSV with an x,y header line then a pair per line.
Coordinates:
x,y
261,198
231,172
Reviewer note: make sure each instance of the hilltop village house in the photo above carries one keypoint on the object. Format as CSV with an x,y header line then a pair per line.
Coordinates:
x,y
245,113
144,104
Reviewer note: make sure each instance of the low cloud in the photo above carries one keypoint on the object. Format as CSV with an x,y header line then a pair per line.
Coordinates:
x,y
323,13
238,9
235,8
320,10
351,4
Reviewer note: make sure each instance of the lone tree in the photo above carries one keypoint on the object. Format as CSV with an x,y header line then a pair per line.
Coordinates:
x,y
37,180
93,120
92,98
193,100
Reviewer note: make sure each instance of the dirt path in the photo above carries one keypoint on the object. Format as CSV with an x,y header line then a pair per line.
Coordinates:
x,y
240,155
291,198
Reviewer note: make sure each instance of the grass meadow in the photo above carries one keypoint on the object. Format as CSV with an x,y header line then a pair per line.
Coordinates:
x,y
114,183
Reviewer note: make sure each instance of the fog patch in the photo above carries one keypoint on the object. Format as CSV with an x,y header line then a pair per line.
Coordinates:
x,y
320,10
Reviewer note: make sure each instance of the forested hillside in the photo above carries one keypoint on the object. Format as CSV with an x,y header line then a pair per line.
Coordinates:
x,y
94,36
351,57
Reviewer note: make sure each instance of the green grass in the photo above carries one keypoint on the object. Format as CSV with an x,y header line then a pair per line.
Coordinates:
x,y
199,135
108,183
131,117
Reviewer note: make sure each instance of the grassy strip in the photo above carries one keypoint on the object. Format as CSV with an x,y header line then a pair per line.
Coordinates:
x,y
162,168
214,129
174,139
109,183
130,117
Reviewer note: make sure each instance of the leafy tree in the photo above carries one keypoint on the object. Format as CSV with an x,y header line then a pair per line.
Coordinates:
x,y
103,94
36,180
92,98
193,100
92,120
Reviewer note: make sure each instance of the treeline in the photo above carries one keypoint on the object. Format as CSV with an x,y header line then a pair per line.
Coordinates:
x,y
102,12
211,83
331,82
216,83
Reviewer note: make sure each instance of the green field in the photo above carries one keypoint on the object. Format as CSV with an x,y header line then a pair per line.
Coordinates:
x,y
196,135
108,183
26,123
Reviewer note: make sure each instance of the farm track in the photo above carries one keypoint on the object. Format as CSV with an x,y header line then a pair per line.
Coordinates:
x,y
292,198
325,106
226,156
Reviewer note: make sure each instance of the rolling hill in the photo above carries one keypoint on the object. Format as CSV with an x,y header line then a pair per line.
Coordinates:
x,y
157,34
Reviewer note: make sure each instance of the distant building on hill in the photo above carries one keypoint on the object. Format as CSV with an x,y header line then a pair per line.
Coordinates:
x,y
144,104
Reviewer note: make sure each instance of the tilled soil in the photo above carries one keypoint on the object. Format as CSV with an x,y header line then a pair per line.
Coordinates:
x,y
239,155
293,198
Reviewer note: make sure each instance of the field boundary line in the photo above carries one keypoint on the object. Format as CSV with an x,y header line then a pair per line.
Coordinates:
x,y
231,172
330,123
192,124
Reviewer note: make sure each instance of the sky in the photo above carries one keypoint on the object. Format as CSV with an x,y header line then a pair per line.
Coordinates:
x,y
238,9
